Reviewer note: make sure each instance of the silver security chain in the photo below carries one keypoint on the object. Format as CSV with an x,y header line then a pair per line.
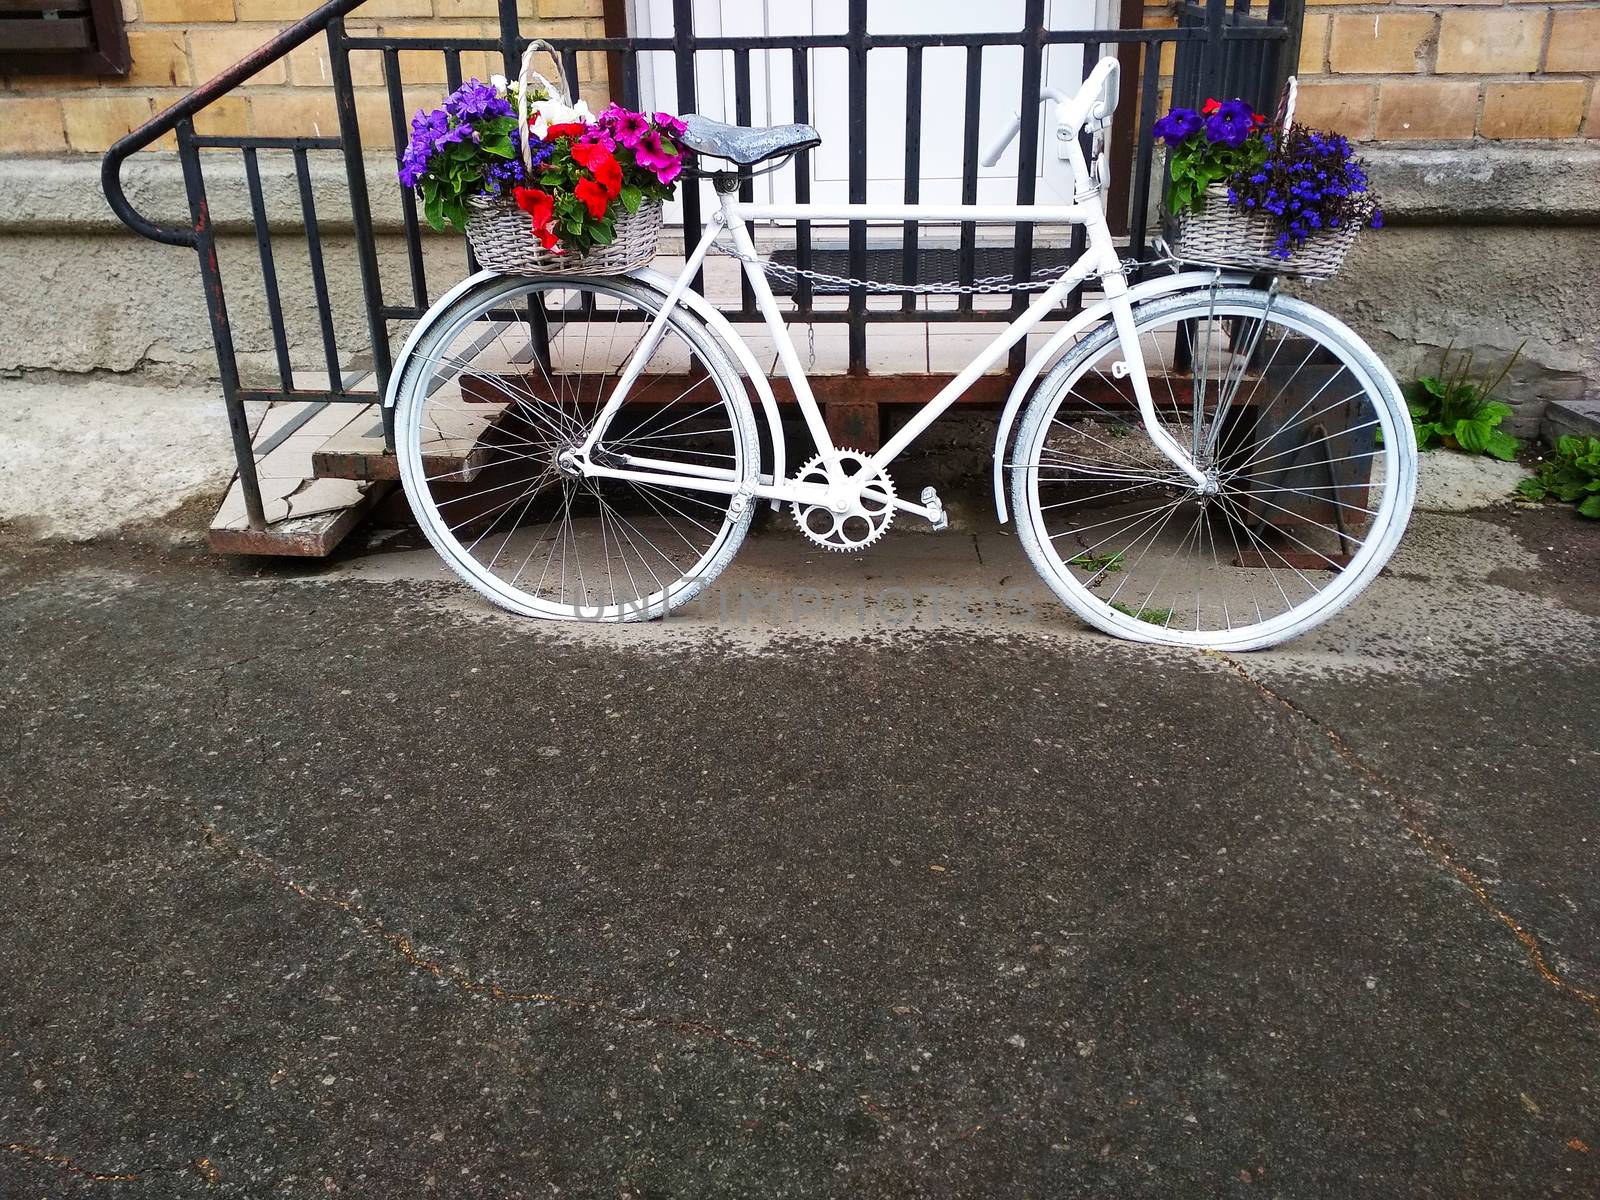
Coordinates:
x,y
1041,279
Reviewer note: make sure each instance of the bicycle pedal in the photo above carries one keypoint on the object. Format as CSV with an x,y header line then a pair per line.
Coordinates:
x,y
937,518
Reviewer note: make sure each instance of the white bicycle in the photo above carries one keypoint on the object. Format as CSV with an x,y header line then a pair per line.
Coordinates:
x,y
1197,462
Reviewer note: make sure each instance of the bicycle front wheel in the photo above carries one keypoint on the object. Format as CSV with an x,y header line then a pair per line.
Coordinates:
x,y
503,388
1308,449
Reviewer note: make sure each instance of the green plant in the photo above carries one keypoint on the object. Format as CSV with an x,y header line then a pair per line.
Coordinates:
x,y
1207,147
1571,472
1090,561
1455,410
1152,616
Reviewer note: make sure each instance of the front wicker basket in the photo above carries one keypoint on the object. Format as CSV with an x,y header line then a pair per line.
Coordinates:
x,y
502,239
1220,235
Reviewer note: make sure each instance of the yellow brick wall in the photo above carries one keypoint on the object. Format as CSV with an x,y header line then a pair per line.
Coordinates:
x,y
176,44
1401,71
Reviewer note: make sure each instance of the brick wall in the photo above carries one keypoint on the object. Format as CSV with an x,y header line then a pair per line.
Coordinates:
x,y
1403,71
177,44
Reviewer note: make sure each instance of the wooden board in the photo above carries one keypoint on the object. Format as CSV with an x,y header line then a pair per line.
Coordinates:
x,y
306,516
456,449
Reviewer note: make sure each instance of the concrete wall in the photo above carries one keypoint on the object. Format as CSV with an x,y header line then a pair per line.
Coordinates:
x,y
1488,249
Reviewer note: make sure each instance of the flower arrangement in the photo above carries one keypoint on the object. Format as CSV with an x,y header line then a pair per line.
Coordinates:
x,y
1304,183
576,176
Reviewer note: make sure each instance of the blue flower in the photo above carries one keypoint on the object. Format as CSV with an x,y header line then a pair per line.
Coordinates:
x,y
1231,124
1177,125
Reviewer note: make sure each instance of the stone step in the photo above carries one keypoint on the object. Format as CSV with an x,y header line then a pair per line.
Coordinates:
x,y
1564,417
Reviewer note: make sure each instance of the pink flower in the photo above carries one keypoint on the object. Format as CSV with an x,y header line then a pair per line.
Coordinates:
x,y
670,125
626,126
597,136
652,156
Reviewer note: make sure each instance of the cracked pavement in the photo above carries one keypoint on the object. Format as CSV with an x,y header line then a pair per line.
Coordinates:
x,y
325,881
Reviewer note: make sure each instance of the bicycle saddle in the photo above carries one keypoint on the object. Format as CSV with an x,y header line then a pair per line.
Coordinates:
x,y
745,146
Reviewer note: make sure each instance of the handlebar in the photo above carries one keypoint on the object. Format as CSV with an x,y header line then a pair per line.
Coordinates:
x,y
1096,100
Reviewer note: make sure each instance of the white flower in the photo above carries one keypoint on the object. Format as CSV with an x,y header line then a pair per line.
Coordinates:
x,y
546,113
499,84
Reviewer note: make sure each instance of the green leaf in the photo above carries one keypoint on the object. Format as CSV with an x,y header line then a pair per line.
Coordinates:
x,y
1532,489
433,208
1494,412
632,197
1502,446
1590,508
1432,385
1473,436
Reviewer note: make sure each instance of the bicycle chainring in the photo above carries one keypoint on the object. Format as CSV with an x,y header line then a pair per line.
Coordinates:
x,y
863,523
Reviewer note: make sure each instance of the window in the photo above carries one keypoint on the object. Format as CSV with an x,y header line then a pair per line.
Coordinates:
x,y
62,37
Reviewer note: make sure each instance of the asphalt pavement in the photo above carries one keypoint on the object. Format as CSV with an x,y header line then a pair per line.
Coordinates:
x,y
326,881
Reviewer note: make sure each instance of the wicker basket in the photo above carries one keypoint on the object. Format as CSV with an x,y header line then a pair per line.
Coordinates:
x,y
502,234
502,239
1220,235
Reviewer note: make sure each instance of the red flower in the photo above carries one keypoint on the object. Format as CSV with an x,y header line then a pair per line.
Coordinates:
x,y
609,176
569,130
595,197
1209,107
541,206
1259,119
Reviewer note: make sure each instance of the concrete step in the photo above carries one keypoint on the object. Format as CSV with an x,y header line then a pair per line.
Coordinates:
x,y
1564,417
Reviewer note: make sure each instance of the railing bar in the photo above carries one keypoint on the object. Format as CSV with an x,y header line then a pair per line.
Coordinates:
x,y
569,70
361,213
267,143
630,78
452,68
742,114
319,275
408,198
967,258
1149,97
194,187
909,234
269,270
683,47
800,66
857,108
1028,163
876,41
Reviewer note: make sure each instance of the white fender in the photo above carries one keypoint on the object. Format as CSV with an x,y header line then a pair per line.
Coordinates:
x,y
1163,286
392,392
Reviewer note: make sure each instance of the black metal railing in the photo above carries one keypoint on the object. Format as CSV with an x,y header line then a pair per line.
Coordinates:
x,y
1220,47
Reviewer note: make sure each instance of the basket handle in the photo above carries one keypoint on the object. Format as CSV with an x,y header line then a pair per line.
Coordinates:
x,y
556,87
1291,89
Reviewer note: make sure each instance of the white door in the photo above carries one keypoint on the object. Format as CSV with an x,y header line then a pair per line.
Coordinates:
x,y
941,114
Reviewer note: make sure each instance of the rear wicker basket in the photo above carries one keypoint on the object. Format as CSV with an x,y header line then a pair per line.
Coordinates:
x,y
1218,234
502,239
502,234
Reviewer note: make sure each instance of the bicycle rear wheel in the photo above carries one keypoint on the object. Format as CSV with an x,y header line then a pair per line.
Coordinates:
x,y
1302,431
506,383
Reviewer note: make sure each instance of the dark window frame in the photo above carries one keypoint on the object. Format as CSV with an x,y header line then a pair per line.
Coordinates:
x,y
31,47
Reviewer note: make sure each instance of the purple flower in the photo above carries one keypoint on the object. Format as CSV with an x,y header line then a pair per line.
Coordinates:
x,y
474,99
1231,124
1177,125
669,125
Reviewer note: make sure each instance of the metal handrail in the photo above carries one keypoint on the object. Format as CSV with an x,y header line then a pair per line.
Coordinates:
x,y
169,119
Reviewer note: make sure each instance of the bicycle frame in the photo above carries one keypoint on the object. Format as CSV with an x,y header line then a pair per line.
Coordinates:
x,y
1100,260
